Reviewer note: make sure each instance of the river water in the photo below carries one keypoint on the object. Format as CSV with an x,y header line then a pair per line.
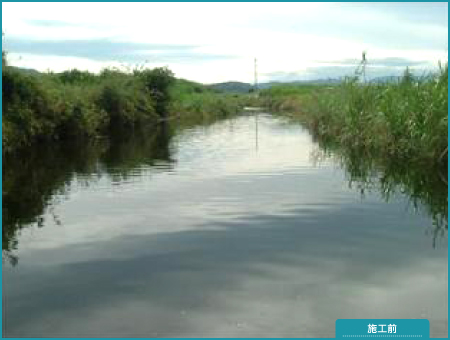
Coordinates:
x,y
237,229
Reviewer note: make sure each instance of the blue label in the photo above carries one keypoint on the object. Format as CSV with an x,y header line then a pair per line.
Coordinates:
x,y
382,328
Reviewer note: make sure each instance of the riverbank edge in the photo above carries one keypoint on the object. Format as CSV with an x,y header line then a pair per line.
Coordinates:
x,y
405,121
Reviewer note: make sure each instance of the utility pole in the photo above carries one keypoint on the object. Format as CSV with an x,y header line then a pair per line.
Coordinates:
x,y
255,86
361,69
255,89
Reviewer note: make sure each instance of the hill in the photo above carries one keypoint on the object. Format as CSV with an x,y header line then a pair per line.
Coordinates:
x,y
232,87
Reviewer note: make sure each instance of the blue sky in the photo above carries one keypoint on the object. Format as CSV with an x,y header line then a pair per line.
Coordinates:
x,y
213,42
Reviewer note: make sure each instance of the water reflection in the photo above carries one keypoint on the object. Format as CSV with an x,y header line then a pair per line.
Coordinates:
x,y
203,234
36,180
247,278
425,186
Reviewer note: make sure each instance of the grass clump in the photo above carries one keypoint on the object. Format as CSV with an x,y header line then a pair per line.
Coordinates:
x,y
406,119
289,98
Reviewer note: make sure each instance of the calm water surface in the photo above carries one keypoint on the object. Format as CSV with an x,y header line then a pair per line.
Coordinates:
x,y
232,230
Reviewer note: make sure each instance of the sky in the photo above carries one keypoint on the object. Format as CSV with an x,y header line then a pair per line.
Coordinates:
x,y
218,41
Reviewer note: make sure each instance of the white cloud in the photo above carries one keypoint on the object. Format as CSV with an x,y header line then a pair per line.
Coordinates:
x,y
284,36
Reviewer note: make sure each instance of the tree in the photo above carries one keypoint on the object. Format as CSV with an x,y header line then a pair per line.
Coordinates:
x,y
158,81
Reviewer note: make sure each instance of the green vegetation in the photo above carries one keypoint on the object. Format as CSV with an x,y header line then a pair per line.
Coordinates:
x,y
197,104
74,103
404,120
77,104
389,137
289,98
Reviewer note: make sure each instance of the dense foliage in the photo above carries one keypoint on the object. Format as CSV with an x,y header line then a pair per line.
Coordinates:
x,y
406,119
73,104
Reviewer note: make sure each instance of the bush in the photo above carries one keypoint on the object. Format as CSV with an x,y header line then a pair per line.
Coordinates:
x,y
77,103
158,82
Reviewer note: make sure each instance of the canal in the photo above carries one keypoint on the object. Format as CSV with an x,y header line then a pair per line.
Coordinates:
x,y
242,228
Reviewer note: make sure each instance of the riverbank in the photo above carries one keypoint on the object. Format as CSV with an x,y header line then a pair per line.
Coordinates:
x,y
406,120
42,107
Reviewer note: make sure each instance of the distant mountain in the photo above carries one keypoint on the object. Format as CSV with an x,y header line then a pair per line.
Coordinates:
x,y
240,87
396,79
313,82
25,70
386,79
232,87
